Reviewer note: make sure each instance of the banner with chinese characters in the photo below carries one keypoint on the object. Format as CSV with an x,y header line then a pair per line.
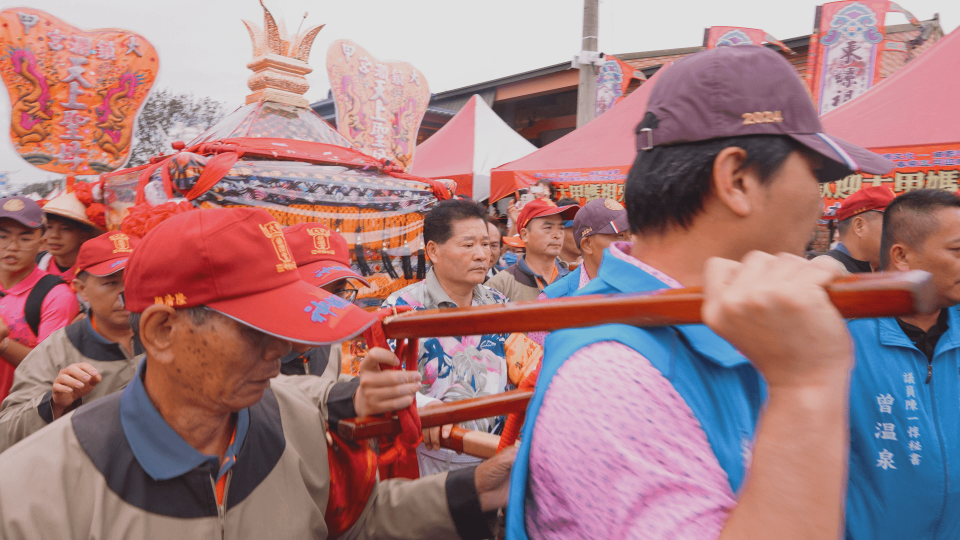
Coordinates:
x,y
613,78
726,36
845,49
583,184
936,167
74,94
379,104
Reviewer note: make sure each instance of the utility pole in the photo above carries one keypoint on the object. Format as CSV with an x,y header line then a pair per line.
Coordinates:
x,y
587,91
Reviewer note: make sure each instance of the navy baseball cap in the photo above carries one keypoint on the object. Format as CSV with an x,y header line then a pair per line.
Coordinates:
x,y
23,210
743,90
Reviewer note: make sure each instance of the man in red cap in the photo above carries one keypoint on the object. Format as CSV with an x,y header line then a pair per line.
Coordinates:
x,y
85,361
860,224
323,259
540,227
204,442
32,304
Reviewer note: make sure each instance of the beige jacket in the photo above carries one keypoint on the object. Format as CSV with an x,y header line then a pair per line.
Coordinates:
x,y
80,479
28,408
518,282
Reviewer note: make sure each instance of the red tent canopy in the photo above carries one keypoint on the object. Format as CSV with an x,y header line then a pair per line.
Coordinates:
x,y
910,118
918,106
601,151
467,147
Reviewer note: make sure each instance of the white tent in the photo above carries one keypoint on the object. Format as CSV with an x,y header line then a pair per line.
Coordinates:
x,y
467,147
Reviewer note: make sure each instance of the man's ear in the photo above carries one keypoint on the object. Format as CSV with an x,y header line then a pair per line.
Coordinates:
x,y
900,257
524,234
732,183
586,246
157,331
432,250
859,225
81,287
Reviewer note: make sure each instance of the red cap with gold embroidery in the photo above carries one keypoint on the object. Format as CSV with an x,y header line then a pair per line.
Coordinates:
x,y
237,262
106,254
322,255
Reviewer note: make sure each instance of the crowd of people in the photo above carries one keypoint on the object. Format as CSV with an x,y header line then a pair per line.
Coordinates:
x,y
190,383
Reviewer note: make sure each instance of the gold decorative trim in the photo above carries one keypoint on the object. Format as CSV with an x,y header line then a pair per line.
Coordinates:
x,y
279,62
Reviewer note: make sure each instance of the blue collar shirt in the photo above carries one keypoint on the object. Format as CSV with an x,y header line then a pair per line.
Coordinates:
x,y
162,452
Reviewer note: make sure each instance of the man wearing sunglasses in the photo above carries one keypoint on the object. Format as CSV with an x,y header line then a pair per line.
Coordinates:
x,y
860,222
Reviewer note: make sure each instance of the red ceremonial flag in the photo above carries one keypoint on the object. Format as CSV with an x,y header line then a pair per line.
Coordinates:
x,y
724,36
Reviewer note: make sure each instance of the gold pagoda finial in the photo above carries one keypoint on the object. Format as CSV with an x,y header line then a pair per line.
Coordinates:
x,y
279,62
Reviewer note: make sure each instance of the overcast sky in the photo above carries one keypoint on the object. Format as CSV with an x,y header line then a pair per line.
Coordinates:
x,y
204,48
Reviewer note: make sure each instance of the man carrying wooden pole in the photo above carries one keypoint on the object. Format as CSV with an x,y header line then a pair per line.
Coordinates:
x,y
665,437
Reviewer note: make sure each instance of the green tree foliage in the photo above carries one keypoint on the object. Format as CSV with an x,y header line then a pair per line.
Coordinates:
x,y
165,116
40,188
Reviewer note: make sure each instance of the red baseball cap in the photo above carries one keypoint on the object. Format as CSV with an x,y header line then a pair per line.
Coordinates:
x,y
237,262
322,255
865,200
106,254
544,207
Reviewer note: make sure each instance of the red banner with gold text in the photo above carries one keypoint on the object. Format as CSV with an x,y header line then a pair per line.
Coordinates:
x,y
936,167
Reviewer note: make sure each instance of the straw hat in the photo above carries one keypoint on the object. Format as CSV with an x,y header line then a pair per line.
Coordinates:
x,y
69,206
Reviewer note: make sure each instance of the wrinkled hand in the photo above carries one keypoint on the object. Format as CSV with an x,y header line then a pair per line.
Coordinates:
x,y
432,436
775,310
493,479
72,383
384,391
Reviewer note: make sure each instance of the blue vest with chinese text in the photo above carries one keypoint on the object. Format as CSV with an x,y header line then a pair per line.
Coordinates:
x,y
904,435
718,384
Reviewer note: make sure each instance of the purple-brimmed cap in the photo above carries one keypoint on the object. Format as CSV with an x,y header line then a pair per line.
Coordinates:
x,y
742,90
599,216
23,210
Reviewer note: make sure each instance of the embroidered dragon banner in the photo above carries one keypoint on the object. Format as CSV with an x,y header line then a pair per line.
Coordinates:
x,y
379,104
74,94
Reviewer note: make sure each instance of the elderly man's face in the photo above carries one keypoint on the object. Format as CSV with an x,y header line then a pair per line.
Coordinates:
x,y
103,296
464,258
224,365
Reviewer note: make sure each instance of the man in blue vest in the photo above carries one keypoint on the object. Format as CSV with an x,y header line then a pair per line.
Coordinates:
x,y
664,438
904,414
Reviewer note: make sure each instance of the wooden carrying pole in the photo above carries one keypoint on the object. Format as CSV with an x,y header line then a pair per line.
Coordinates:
x,y
861,296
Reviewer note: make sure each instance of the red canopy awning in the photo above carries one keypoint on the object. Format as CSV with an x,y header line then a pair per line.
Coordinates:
x,y
917,106
605,145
